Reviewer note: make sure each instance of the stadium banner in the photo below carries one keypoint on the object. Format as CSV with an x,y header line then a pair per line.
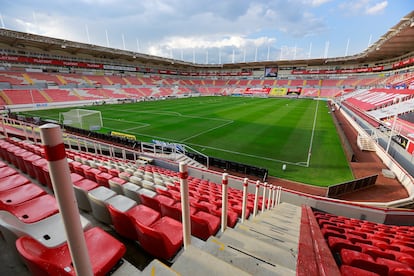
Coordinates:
x,y
400,140
339,71
178,147
405,62
254,90
278,91
123,135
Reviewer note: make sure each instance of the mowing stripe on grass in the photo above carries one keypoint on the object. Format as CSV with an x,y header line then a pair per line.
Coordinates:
x,y
208,130
259,132
251,155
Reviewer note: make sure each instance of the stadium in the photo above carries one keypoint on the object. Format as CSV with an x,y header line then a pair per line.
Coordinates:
x,y
115,162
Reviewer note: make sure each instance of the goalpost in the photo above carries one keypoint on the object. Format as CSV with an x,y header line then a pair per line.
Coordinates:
x,y
82,118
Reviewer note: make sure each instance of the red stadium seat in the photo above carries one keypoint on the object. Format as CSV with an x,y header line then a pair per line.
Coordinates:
x,y
38,170
402,257
326,232
151,202
154,202
238,209
12,181
400,271
232,217
363,261
204,225
81,188
143,214
337,244
20,194
393,265
7,171
115,184
46,176
118,207
92,173
34,209
174,211
20,157
347,270
103,178
104,252
162,239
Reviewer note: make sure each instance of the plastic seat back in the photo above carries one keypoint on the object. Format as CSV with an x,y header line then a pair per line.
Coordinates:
x,y
152,241
151,202
42,260
104,252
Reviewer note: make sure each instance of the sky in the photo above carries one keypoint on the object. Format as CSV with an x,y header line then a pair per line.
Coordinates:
x,y
212,31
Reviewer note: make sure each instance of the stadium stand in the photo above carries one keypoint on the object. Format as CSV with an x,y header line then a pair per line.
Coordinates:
x,y
136,204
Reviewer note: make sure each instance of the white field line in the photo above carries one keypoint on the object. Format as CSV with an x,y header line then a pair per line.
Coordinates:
x,y
313,134
174,114
207,130
133,128
250,155
227,122
130,122
301,164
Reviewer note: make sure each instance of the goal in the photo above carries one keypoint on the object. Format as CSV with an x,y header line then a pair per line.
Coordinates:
x,y
82,118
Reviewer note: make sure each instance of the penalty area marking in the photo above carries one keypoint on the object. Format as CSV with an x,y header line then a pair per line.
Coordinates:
x,y
301,164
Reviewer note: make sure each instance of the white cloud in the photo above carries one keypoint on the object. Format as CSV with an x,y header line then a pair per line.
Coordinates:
x,y
369,7
317,3
377,8
175,26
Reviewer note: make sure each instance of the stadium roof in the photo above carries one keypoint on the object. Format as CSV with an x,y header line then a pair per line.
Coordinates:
x,y
396,44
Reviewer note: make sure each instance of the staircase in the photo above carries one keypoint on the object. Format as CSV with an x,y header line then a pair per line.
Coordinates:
x,y
6,98
46,96
365,143
189,161
264,245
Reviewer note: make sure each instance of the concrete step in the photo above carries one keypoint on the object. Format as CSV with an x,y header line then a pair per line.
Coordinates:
x,y
195,261
251,255
189,161
269,235
284,218
158,268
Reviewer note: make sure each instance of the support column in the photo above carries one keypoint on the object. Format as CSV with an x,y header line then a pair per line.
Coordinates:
x,y
185,204
244,203
224,202
55,154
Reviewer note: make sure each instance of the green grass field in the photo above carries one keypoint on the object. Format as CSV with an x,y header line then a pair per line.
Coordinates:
x,y
261,132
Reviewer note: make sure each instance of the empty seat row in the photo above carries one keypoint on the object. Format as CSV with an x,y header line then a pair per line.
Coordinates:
x,y
363,247
31,224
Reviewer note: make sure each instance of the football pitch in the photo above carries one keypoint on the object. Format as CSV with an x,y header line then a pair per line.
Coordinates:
x,y
261,132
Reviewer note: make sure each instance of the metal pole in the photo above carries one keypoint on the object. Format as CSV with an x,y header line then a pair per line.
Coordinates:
x,y
185,204
392,132
244,203
279,195
55,154
256,198
264,197
4,127
224,202
269,198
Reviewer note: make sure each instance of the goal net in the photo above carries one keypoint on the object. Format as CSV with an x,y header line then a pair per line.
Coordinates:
x,y
82,118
